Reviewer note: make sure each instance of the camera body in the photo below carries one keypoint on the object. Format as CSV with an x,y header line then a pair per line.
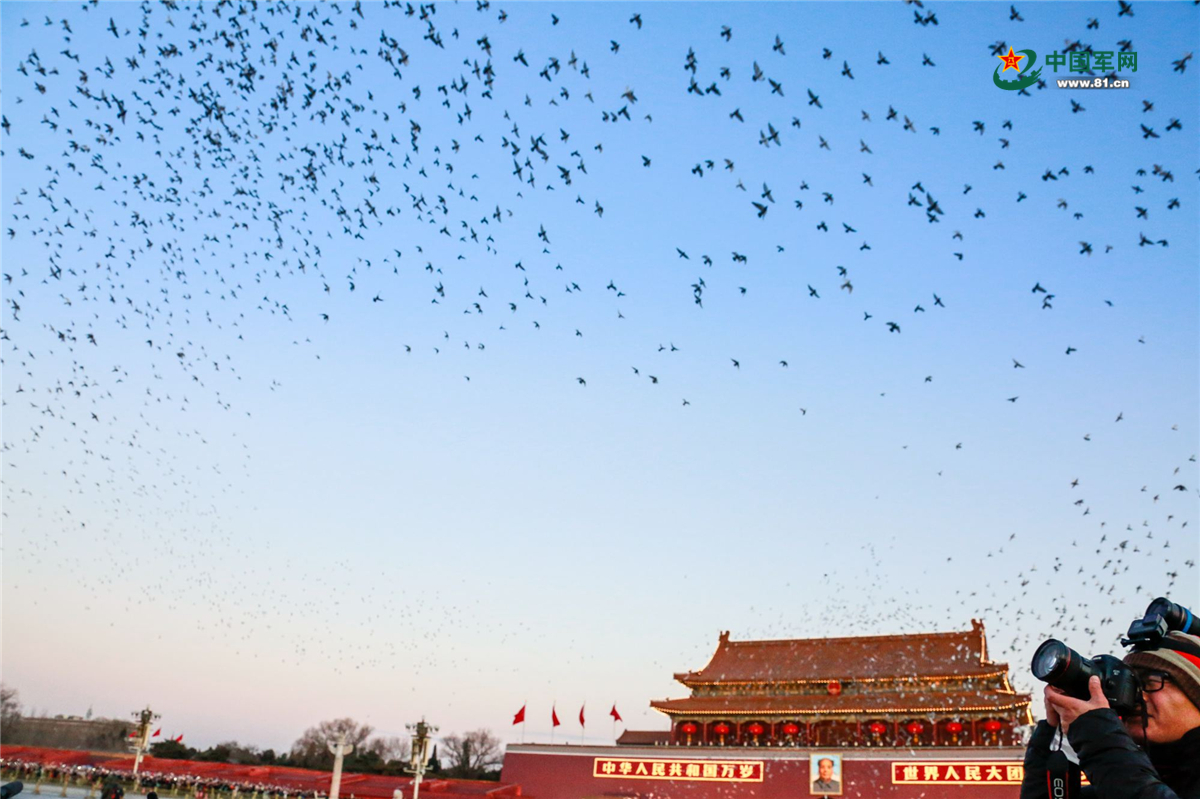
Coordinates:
x,y
1057,664
1121,686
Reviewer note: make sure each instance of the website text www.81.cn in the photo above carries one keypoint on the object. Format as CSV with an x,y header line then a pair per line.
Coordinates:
x,y
1092,83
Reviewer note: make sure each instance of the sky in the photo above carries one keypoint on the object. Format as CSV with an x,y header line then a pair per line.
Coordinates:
x,y
326,394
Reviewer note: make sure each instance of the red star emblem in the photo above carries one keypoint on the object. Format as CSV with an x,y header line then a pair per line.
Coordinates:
x,y
1011,61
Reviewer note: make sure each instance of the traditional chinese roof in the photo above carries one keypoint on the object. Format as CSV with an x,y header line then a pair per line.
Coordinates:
x,y
916,701
859,658
644,738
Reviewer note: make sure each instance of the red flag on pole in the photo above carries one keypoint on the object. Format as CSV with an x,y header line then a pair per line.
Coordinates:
x,y
581,724
519,718
178,739
554,716
156,733
616,716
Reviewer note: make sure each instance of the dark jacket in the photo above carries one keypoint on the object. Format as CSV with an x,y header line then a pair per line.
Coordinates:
x,y
1115,766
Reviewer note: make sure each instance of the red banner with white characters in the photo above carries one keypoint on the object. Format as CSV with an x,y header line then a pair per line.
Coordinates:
x,y
957,772
656,768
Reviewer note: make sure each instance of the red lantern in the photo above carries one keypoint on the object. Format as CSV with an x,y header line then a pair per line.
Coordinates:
x,y
688,728
991,725
954,727
721,728
834,688
790,729
755,729
877,728
914,727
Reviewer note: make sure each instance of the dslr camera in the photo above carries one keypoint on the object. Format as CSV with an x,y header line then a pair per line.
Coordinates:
x,y
1057,664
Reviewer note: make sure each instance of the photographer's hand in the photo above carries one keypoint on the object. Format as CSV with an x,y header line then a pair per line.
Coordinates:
x,y
1068,708
1051,714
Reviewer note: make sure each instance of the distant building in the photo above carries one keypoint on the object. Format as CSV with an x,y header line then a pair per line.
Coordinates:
x,y
72,732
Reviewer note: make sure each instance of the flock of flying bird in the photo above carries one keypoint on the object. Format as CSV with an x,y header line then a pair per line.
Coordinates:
x,y
200,171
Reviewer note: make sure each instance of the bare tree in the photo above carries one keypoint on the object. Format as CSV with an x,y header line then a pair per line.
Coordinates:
x,y
390,748
311,750
472,755
10,711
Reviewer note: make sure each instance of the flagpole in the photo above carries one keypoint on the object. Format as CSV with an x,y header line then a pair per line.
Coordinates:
x,y
553,715
523,721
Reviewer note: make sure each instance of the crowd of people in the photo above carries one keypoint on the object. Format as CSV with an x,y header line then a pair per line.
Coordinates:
x,y
36,772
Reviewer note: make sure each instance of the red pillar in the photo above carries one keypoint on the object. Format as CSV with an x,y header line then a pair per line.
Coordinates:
x,y
704,733
974,734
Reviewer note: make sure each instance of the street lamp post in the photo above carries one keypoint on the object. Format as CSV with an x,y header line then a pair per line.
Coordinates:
x,y
339,750
141,739
422,749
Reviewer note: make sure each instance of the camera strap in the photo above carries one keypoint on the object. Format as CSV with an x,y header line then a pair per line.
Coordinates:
x,y
1063,775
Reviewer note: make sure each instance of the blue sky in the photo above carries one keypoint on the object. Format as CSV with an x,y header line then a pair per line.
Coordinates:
x,y
309,518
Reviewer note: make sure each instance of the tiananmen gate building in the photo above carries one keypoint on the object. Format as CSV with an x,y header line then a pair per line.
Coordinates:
x,y
920,715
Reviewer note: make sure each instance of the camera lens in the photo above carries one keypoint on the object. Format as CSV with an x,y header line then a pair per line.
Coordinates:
x,y
1064,668
1177,616
1050,660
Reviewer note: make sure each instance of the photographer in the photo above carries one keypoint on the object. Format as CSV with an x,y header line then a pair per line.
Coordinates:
x,y
1166,724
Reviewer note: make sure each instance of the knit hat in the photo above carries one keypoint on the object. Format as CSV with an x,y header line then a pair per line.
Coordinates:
x,y
1178,654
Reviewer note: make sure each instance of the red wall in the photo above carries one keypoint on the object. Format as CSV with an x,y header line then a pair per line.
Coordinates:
x,y
565,772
